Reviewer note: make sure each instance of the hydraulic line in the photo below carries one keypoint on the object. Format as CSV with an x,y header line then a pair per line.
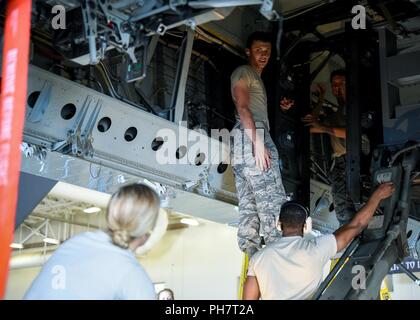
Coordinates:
x,y
102,69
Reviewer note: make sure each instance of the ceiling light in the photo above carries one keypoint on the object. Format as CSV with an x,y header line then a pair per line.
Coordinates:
x,y
16,245
190,221
92,210
51,241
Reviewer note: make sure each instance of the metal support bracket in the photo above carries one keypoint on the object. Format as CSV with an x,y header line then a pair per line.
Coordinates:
x,y
41,103
151,48
120,20
30,151
353,113
90,25
202,183
80,143
178,97
86,137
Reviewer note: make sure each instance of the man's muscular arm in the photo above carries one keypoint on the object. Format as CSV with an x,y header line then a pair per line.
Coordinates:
x,y
241,95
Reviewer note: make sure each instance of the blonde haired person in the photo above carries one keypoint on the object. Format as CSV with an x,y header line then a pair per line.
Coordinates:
x,y
101,264
166,294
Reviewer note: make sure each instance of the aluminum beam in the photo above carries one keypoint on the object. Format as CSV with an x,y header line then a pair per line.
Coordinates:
x,y
81,122
354,107
178,96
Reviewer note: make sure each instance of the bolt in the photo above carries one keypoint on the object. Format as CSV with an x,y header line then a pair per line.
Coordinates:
x,y
161,29
191,23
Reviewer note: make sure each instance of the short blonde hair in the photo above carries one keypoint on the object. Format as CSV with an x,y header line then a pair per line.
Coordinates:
x,y
132,213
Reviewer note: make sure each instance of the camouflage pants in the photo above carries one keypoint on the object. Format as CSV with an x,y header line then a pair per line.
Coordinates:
x,y
343,205
260,194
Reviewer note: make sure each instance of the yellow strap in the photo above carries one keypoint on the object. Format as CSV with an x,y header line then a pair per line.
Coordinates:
x,y
384,293
333,263
243,276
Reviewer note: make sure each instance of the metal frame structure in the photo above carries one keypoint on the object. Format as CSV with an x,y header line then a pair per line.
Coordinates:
x,y
385,240
354,107
381,245
128,32
178,96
